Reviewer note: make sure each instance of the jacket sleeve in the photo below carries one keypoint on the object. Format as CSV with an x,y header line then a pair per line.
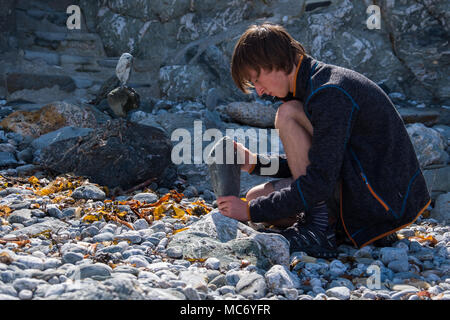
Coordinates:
x,y
333,114
271,166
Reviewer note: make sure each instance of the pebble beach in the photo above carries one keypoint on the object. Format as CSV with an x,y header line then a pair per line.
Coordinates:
x,y
68,239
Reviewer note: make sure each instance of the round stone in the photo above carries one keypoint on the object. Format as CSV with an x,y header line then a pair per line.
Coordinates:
x,y
342,293
25,294
175,252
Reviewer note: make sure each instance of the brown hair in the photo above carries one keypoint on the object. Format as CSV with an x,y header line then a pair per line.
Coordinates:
x,y
266,46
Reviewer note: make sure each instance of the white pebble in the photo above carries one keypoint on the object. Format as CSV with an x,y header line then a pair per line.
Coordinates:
x,y
25,294
212,263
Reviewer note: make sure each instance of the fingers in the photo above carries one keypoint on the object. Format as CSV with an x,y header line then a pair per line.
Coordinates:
x,y
224,199
223,207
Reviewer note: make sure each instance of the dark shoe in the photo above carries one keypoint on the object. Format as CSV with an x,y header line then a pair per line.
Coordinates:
x,y
387,241
312,241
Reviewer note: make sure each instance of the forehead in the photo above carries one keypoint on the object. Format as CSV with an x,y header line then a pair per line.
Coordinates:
x,y
251,73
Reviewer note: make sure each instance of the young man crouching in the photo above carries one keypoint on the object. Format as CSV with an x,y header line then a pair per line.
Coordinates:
x,y
349,164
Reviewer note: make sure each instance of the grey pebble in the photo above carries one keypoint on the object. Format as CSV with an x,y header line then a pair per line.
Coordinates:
x,y
97,270
31,262
399,295
53,211
72,257
175,252
19,216
8,290
140,224
132,252
90,231
212,263
146,197
26,283
88,192
105,236
389,254
399,265
342,293
252,286
132,236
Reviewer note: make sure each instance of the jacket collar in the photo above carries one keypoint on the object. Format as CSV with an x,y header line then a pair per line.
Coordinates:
x,y
303,74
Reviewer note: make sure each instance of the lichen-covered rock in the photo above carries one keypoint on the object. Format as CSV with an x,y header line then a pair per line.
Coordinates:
x,y
49,118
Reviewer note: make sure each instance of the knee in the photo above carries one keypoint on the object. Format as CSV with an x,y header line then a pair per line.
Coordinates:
x,y
253,193
288,111
259,190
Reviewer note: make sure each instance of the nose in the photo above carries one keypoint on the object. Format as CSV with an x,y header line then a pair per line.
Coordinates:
x,y
259,90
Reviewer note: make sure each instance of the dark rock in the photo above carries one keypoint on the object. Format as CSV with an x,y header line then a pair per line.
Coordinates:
x,y
117,154
59,135
428,117
21,81
7,159
122,100
225,177
7,22
25,155
107,86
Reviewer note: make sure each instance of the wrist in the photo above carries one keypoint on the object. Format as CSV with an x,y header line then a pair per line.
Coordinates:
x,y
251,163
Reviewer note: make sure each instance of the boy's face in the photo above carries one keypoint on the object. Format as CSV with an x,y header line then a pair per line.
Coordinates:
x,y
275,83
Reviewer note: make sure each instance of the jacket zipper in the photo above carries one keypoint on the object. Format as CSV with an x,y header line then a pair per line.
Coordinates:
x,y
373,193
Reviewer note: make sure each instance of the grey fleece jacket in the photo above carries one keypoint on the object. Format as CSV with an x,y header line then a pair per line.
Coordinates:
x,y
360,143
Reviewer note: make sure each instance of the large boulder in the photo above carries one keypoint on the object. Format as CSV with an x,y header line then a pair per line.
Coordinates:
x,y
251,113
419,35
437,179
21,81
441,210
118,153
229,240
428,144
177,83
7,22
336,33
412,37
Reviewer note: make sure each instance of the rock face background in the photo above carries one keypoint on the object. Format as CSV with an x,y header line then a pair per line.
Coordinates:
x,y
182,53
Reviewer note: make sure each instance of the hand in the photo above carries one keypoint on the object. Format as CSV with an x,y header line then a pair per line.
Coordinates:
x,y
248,156
233,207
